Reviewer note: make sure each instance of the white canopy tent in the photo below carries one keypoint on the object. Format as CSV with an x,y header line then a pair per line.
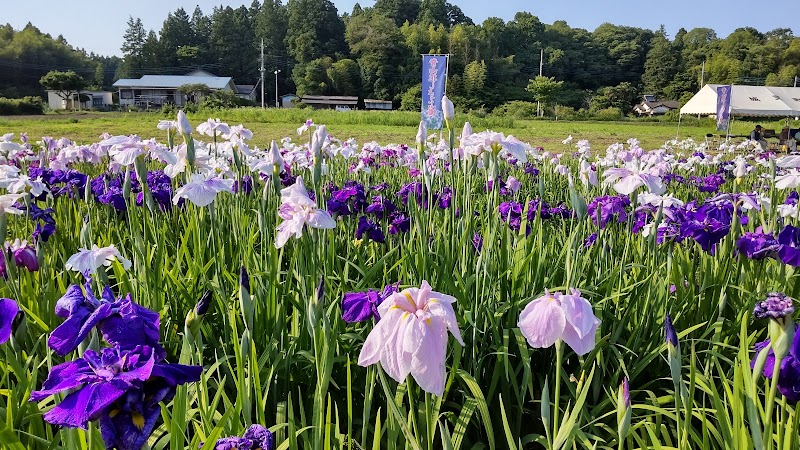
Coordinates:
x,y
747,101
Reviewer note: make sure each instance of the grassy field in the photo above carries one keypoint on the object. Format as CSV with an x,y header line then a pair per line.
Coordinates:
x,y
383,127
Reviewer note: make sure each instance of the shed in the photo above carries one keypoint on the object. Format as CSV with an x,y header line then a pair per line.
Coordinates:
x,y
380,105
330,101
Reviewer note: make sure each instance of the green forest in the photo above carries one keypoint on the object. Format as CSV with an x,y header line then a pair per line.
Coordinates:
x,y
374,52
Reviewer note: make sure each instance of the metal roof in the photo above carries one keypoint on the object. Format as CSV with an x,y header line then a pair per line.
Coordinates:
x,y
173,81
329,100
370,100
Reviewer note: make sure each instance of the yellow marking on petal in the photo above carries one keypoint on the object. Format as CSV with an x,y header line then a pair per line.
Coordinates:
x,y
410,300
113,413
138,420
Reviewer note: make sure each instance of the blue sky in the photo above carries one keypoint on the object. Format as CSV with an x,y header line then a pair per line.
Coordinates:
x,y
98,25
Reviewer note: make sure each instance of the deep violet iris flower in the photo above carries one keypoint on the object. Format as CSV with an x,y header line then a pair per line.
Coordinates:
x,y
255,438
369,229
120,321
120,387
8,312
362,306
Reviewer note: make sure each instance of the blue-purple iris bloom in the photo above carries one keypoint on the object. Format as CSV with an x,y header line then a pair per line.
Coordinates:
x,y
789,240
789,372
606,208
380,206
122,388
757,245
362,306
399,222
369,229
120,321
8,312
255,438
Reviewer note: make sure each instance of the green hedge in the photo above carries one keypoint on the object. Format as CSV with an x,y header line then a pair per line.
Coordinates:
x,y
21,106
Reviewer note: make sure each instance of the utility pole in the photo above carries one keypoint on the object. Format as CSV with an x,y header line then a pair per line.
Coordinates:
x,y
703,74
795,81
263,105
541,66
277,105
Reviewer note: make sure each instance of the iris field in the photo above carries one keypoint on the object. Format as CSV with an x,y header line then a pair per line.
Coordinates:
x,y
470,292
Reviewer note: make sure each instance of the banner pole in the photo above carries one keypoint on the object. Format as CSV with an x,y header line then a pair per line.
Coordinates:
x,y
446,73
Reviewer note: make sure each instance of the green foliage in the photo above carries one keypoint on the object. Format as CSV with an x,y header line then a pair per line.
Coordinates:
x,y
65,84
516,109
21,106
412,99
623,97
545,89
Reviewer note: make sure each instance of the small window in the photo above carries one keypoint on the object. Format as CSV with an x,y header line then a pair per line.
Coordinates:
x,y
755,99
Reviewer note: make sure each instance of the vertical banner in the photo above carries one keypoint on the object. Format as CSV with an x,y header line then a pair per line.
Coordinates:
x,y
434,76
723,107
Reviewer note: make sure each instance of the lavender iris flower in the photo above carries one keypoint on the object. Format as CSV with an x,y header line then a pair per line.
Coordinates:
x,y
362,306
776,306
121,321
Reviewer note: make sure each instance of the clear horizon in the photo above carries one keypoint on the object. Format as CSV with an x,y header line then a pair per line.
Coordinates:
x,y
102,31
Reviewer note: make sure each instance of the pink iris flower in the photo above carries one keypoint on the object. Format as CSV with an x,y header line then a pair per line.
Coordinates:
x,y
297,210
411,337
557,317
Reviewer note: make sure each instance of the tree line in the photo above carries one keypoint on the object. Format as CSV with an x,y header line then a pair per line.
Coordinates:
x,y
374,52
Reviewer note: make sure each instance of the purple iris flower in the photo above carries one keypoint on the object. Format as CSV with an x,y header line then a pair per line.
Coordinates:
x,y
121,321
589,241
370,229
445,197
789,372
670,335
477,242
789,240
348,200
605,208
776,306
707,233
399,222
247,185
380,206
380,187
100,384
757,245
255,438
414,189
8,312
43,232
25,256
531,170
792,198
362,306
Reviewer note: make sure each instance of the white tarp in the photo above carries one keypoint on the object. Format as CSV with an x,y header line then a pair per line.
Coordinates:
x,y
751,101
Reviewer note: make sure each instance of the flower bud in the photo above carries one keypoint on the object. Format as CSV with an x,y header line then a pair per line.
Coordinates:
x,y
623,409
245,300
184,127
422,134
25,256
448,109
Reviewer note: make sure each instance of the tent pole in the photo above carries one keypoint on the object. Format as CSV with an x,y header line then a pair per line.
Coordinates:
x,y
678,132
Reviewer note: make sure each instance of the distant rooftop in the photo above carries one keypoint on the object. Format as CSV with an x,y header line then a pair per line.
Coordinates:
x,y
172,81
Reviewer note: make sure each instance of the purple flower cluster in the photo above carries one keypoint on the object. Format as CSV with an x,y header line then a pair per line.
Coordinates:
x,y
511,212
122,386
369,229
255,438
108,189
350,199
710,183
61,182
43,218
758,245
604,209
